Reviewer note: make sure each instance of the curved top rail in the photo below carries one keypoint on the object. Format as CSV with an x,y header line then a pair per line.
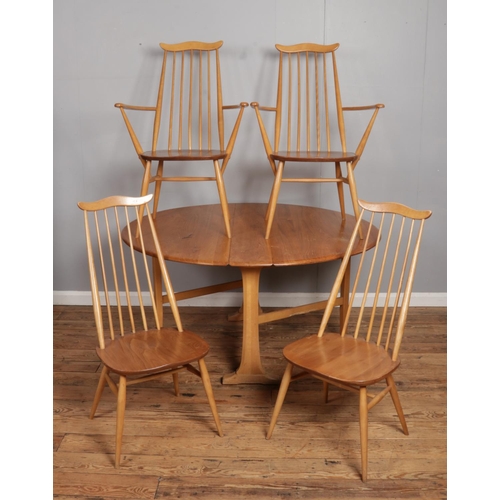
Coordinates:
x,y
307,47
193,45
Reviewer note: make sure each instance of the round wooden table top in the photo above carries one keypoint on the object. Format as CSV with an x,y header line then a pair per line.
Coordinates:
x,y
300,235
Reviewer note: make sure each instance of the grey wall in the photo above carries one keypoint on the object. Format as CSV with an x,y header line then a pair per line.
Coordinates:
x,y
391,51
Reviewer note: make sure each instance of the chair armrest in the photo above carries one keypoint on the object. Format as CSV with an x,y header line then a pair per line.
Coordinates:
x,y
362,108
257,106
137,108
236,106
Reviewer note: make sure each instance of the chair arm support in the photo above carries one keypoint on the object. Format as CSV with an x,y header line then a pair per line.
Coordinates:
x,y
364,139
234,133
130,129
263,132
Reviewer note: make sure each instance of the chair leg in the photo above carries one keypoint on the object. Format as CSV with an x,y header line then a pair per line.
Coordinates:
x,y
354,194
340,189
175,377
144,191
363,426
223,197
156,198
397,403
98,392
285,382
120,418
210,395
273,200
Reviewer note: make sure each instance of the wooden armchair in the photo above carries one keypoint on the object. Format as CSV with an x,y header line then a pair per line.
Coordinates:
x,y
365,350
308,88
193,127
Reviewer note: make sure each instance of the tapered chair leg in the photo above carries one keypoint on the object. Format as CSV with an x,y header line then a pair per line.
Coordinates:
x,y
223,197
340,189
273,199
210,395
285,382
98,392
144,191
120,418
397,403
363,426
354,194
156,198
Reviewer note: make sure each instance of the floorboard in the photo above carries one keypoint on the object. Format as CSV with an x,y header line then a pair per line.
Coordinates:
x,y
171,449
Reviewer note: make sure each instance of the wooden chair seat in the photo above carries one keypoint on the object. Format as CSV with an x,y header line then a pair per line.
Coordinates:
x,y
341,359
183,155
314,156
152,351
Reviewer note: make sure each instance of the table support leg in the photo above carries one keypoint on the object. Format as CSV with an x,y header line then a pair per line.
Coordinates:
x,y
250,370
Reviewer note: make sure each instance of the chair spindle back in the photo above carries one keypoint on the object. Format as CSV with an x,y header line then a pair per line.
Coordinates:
x,y
308,88
190,94
382,284
120,276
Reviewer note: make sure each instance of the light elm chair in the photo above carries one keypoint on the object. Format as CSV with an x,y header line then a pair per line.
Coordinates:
x,y
131,344
365,351
309,123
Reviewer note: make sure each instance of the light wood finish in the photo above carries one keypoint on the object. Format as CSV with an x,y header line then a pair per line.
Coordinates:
x,y
304,131
133,347
190,99
169,450
303,235
365,349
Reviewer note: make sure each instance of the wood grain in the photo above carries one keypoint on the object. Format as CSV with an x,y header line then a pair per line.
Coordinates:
x,y
170,449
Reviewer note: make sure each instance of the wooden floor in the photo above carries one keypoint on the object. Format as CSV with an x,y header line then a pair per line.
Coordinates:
x,y
171,449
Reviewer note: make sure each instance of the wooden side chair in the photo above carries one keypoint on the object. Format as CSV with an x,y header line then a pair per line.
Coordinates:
x,y
132,346
304,131
193,127
365,350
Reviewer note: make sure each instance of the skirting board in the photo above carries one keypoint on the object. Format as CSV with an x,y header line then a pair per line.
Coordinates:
x,y
233,299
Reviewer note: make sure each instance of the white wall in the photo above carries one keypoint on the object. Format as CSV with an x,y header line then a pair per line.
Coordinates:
x,y
391,51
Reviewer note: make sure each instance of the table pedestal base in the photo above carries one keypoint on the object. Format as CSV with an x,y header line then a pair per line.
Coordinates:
x,y
250,370
248,378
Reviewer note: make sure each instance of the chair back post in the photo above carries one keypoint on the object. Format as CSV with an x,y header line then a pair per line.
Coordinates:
x,y
340,112
220,103
94,290
159,103
277,126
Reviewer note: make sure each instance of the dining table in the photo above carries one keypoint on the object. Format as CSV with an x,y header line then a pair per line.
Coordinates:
x,y
301,235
